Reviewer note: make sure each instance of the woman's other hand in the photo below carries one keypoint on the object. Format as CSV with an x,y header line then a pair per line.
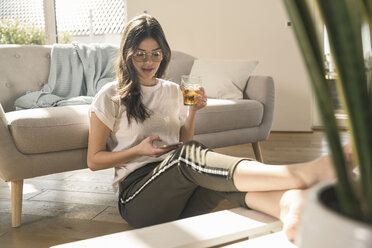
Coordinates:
x,y
146,147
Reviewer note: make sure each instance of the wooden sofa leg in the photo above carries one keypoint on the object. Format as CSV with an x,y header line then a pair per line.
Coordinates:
x,y
257,151
16,195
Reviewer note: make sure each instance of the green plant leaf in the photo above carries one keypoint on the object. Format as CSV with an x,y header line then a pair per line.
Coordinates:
x,y
366,9
310,46
343,21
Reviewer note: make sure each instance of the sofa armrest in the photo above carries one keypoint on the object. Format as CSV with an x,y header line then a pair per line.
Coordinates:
x,y
261,88
10,157
3,120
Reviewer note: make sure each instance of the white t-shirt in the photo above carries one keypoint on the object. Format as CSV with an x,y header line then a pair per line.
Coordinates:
x,y
168,114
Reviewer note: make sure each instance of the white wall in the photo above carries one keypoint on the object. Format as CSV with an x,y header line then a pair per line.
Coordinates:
x,y
241,29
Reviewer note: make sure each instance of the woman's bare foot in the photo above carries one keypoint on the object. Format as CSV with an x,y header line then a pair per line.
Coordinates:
x,y
284,205
321,169
290,211
315,171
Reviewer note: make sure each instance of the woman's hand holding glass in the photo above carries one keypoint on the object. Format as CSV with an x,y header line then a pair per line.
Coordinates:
x,y
201,99
193,93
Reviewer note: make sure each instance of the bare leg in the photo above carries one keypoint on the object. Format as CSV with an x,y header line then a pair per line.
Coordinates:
x,y
256,176
285,205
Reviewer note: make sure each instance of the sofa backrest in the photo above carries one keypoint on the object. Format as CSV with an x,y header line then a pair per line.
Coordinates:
x,y
25,68
180,64
22,68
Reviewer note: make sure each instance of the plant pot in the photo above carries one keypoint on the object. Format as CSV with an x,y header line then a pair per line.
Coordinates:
x,y
321,225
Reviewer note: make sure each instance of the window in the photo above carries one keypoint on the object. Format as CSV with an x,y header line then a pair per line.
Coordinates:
x,y
332,73
87,20
90,17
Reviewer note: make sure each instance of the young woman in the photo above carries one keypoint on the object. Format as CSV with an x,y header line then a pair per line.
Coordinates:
x,y
157,185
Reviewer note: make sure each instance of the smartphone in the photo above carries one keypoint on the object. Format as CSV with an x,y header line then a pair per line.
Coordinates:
x,y
162,144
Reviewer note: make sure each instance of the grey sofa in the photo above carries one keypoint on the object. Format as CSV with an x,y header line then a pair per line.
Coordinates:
x,y
44,141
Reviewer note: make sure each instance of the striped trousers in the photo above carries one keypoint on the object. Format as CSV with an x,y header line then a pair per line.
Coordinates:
x,y
190,181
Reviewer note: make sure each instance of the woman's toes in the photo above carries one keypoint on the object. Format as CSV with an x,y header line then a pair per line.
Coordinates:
x,y
290,212
290,228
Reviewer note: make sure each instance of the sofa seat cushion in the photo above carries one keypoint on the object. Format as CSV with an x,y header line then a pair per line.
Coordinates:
x,y
56,129
52,129
222,115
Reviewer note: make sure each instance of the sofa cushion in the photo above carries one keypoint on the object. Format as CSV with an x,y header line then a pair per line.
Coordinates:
x,y
52,129
222,115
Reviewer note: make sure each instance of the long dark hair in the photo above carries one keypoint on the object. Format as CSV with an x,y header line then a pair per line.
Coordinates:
x,y
129,90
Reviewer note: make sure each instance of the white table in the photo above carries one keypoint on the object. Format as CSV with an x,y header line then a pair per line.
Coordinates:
x,y
277,239
214,229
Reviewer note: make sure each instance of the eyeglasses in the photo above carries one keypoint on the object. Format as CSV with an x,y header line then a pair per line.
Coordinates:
x,y
140,56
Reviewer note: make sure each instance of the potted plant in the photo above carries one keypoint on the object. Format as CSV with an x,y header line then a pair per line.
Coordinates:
x,y
344,217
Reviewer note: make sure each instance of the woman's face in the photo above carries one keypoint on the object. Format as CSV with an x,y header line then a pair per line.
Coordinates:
x,y
146,60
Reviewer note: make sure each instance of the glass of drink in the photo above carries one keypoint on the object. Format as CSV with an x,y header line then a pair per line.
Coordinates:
x,y
190,84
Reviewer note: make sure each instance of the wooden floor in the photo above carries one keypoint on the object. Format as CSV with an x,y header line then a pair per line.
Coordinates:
x,y
77,205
